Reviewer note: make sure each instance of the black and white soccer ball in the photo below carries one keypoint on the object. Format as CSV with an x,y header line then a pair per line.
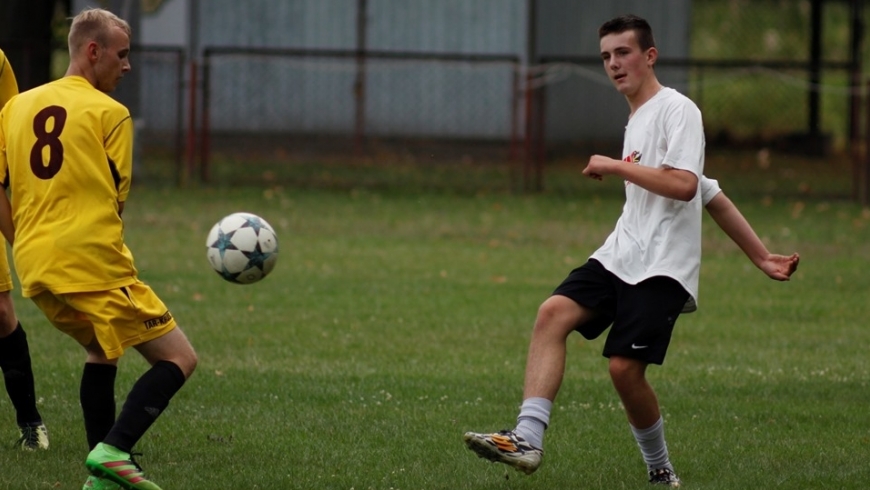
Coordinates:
x,y
242,248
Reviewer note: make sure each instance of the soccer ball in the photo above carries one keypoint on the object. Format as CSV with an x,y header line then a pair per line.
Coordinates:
x,y
242,248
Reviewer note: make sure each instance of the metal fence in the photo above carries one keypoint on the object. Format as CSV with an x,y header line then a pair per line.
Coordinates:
x,y
778,75
155,93
280,106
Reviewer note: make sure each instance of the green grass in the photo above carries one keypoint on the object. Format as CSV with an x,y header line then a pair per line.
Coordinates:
x,y
395,321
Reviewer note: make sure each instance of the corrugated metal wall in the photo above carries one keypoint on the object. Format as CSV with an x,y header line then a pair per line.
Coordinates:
x,y
416,98
448,26
403,98
278,23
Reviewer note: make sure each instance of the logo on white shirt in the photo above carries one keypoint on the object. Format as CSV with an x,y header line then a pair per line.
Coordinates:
x,y
633,158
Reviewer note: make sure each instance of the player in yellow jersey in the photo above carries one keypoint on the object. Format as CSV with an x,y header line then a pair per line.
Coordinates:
x,y
14,351
69,176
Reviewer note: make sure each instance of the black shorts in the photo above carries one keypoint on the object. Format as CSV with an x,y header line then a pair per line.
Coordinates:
x,y
643,314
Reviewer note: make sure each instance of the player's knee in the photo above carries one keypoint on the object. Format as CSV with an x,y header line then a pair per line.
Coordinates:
x,y
8,320
187,362
557,315
194,361
624,369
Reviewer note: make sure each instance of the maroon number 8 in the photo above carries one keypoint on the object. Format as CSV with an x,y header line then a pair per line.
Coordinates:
x,y
50,139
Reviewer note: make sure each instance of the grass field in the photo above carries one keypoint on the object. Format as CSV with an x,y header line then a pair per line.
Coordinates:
x,y
396,321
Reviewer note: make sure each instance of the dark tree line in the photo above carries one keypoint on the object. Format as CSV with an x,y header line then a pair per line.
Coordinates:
x,y
27,37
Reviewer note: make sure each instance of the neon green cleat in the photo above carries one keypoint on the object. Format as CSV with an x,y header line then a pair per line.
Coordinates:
x,y
33,437
94,483
110,463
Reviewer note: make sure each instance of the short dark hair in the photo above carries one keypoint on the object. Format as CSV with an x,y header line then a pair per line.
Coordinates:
x,y
629,22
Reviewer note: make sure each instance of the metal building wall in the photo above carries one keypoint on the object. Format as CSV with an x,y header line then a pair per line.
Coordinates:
x,y
477,97
403,98
278,23
411,98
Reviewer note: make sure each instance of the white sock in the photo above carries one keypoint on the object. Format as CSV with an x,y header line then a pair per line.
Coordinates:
x,y
652,445
533,420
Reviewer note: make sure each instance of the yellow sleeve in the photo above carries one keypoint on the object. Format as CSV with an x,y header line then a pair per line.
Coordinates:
x,y
8,84
119,148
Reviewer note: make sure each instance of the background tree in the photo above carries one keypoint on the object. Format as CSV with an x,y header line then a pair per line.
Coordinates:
x,y
28,36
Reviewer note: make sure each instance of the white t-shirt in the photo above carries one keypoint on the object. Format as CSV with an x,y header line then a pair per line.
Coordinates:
x,y
656,235
709,189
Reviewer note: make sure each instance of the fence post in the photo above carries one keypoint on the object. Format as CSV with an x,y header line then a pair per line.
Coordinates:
x,y
861,159
359,86
541,137
205,130
515,174
179,119
191,126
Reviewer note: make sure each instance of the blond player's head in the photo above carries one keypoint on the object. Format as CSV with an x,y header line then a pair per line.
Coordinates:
x,y
99,48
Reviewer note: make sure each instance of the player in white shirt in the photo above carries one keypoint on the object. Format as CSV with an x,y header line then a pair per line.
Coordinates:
x,y
645,274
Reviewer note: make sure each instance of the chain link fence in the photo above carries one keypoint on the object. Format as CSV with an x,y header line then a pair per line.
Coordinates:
x,y
154,91
303,115
346,118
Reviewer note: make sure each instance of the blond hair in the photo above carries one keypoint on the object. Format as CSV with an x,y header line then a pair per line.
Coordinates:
x,y
93,24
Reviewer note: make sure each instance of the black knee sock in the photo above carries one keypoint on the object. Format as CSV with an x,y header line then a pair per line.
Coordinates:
x,y
146,401
18,374
97,396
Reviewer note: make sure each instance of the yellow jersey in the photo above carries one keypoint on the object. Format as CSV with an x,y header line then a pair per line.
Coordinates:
x,y
66,152
8,84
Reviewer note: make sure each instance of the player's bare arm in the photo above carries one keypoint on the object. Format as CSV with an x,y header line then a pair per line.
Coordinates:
x,y
668,182
734,224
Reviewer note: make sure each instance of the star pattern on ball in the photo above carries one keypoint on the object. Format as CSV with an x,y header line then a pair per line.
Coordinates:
x,y
256,257
253,222
224,242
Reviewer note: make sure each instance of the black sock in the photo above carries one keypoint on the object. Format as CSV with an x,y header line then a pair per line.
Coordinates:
x,y
18,374
97,396
146,401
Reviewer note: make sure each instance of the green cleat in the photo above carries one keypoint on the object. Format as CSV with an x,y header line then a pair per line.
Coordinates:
x,y
94,483
110,463
33,437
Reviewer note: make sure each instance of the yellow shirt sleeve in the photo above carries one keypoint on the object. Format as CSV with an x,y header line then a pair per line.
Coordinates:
x,y
8,84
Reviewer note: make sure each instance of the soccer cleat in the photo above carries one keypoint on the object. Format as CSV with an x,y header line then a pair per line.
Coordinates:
x,y
664,476
110,463
33,437
505,447
94,483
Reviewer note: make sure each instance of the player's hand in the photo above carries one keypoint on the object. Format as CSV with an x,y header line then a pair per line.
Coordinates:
x,y
780,267
599,166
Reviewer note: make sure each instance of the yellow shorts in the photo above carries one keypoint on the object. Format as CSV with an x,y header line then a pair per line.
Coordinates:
x,y
119,318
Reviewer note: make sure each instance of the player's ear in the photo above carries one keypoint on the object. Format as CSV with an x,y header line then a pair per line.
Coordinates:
x,y
93,50
652,54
